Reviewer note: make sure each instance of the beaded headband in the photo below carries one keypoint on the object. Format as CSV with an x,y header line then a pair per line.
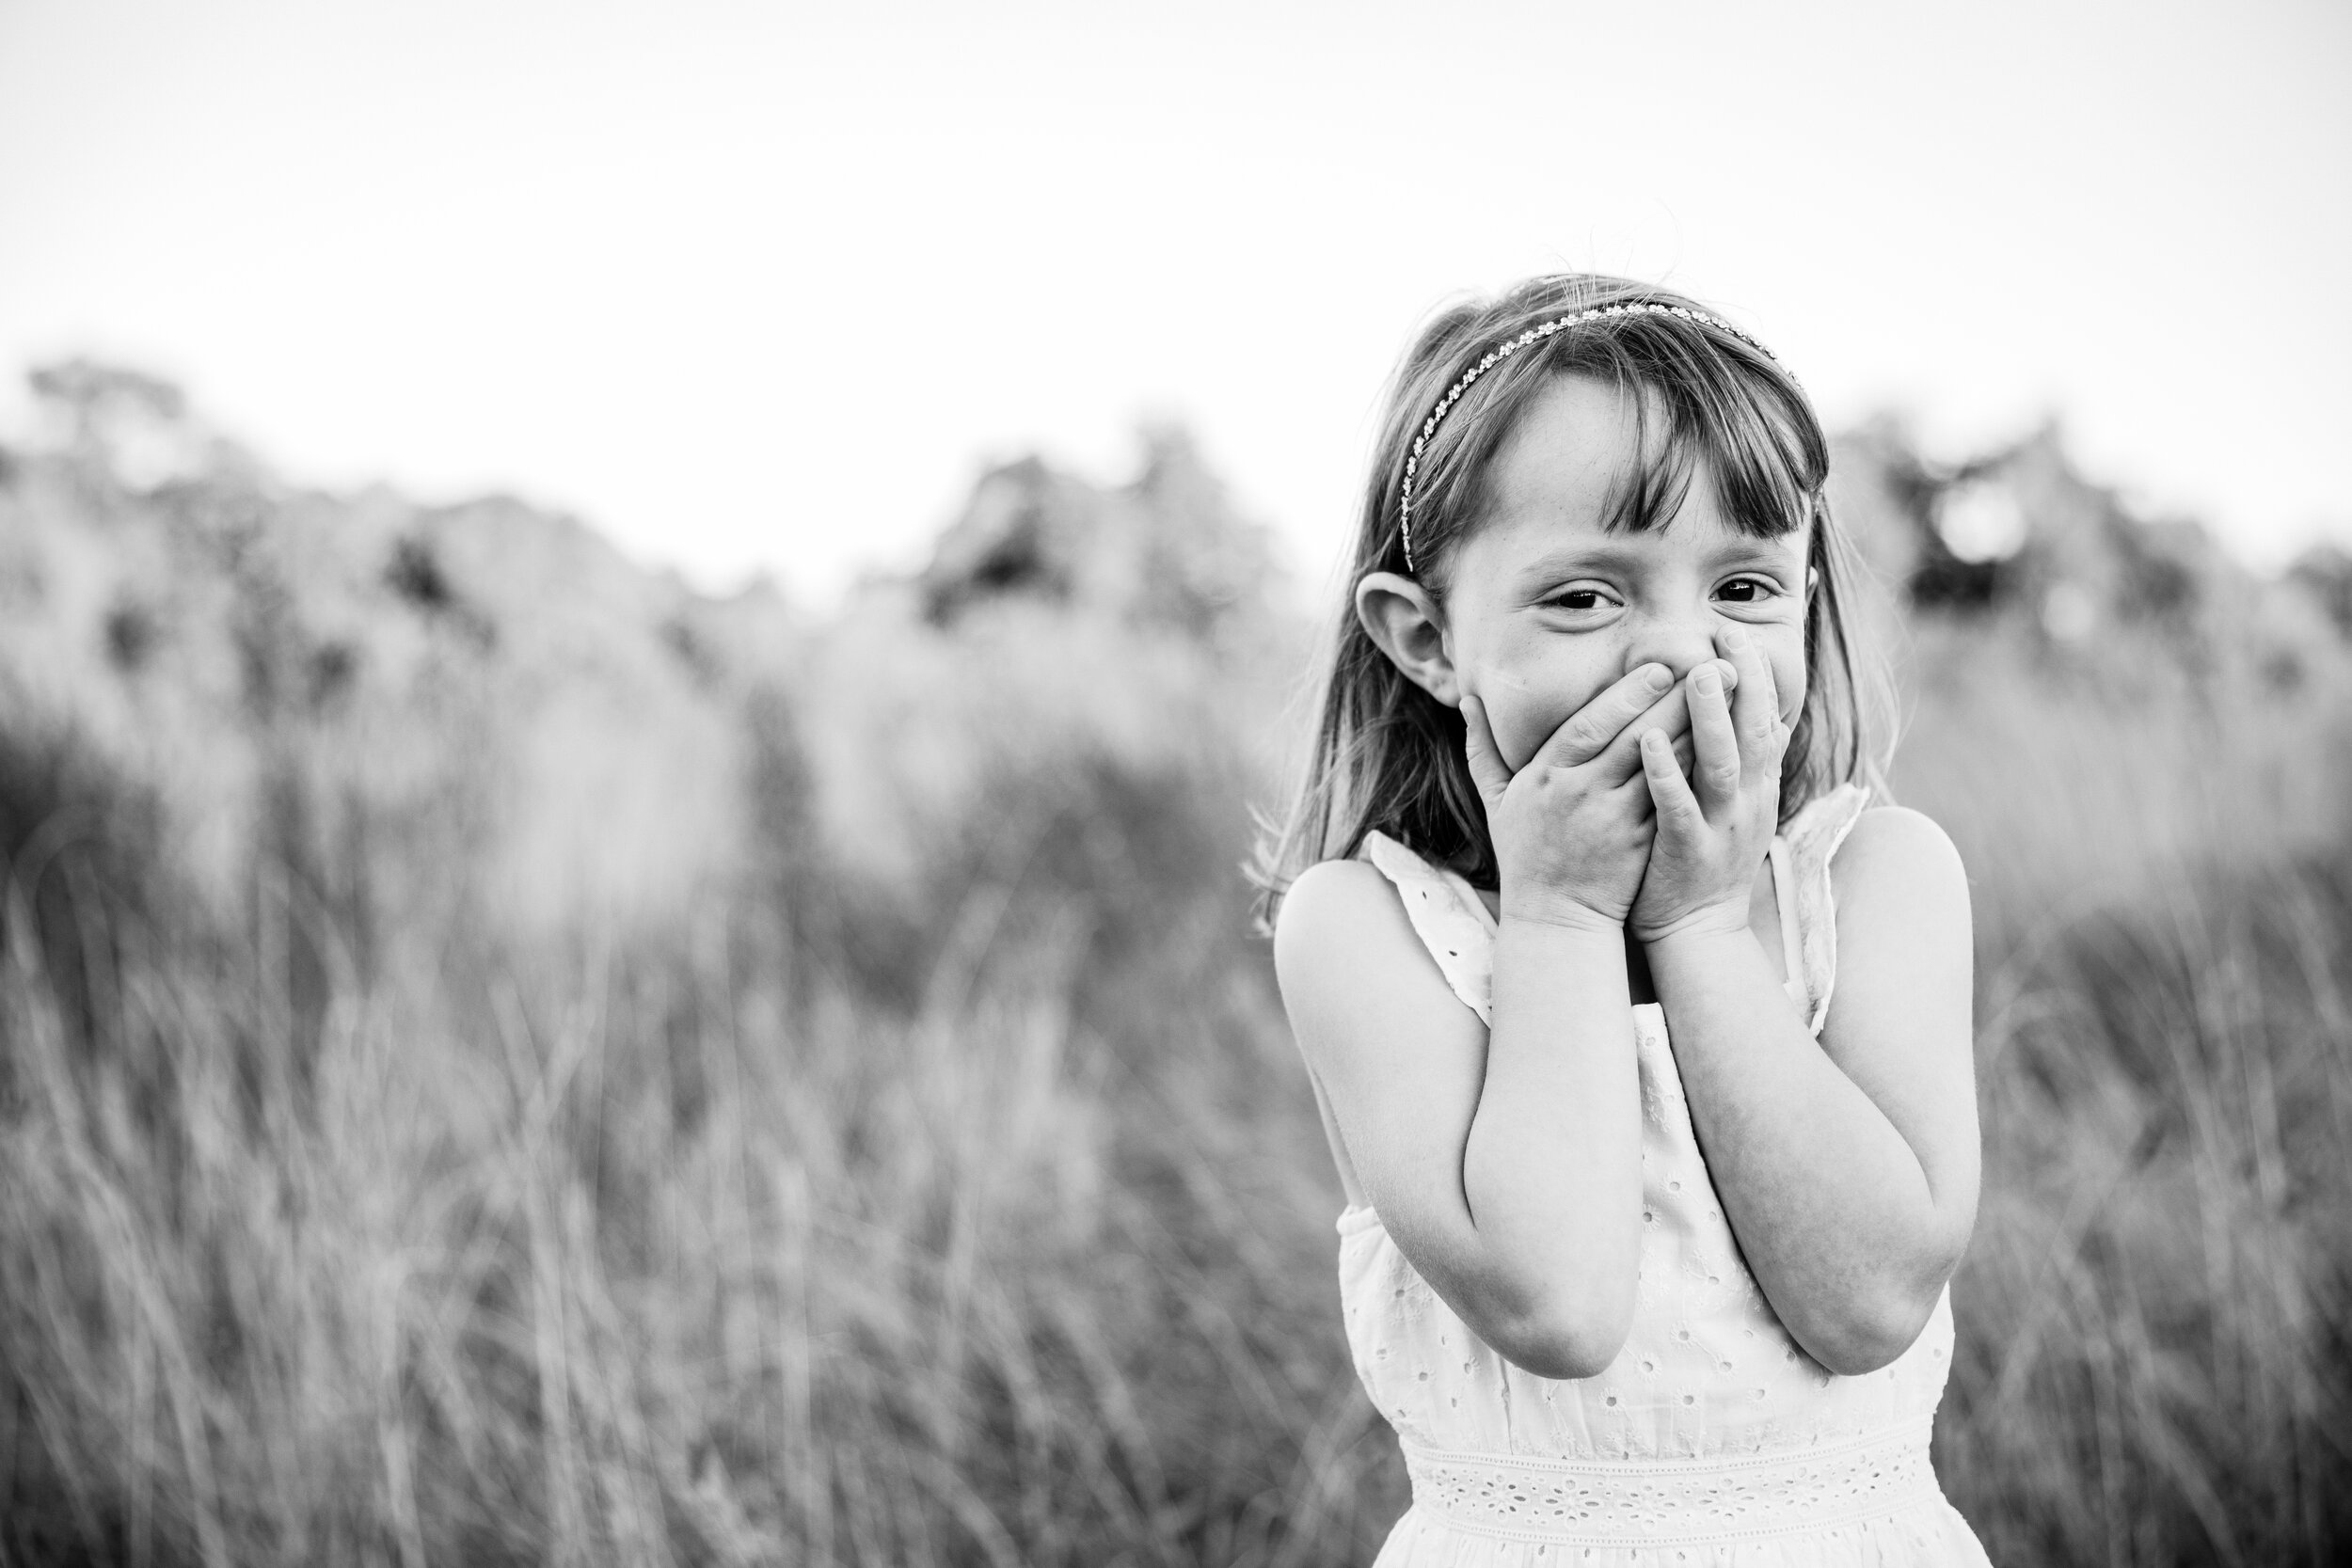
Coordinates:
x,y
1503,351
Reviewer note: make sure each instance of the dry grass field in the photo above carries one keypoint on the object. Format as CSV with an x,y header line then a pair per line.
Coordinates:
x,y
959,1200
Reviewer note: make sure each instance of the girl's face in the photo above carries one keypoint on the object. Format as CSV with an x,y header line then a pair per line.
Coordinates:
x,y
1545,607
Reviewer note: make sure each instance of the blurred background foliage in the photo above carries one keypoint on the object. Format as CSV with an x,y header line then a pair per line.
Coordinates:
x,y
505,1059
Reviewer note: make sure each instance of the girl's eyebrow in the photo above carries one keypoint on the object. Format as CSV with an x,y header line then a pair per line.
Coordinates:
x,y
1744,550
1558,564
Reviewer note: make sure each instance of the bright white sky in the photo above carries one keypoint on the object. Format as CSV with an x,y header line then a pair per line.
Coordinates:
x,y
762,286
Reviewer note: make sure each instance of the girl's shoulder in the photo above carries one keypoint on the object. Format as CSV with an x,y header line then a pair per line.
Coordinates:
x,y
1343,924
1896,844
1369,1003
1314,891
1335,904
1899,901
1858,841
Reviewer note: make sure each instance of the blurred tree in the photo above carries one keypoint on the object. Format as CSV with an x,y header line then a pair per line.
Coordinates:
x,y
120,424
2325,571
1168,550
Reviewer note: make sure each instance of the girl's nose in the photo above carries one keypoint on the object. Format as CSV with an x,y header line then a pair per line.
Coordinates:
x,y
1679,648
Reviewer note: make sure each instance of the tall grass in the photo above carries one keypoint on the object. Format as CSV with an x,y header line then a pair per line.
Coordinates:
x,y
2153,1367
1013,1245
697,1254
2151,1363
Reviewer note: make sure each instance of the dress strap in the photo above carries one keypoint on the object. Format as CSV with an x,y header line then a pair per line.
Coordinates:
x,y
1800,856
1449,917
1784,900
1454,923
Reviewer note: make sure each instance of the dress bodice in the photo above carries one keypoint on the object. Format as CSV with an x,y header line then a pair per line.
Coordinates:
x,y
1712,1424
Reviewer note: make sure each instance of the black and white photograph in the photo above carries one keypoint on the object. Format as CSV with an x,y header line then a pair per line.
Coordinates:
x,y
1526,784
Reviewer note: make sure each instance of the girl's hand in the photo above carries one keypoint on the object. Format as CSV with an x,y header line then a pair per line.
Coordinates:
x,y
1714,828
1572,828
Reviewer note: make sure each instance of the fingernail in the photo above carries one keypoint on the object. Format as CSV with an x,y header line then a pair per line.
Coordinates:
x,y
1736,638
1707,680
1656,676
1653,741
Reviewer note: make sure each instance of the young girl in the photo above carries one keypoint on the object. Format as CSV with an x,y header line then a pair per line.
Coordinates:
x,y
1641,1039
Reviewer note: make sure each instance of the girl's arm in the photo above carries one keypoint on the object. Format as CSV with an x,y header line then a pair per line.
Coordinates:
x,y
1848,1168
1504,1165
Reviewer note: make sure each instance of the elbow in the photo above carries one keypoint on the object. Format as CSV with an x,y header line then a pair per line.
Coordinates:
x,y
1870,1332
1562,1357
1562,1341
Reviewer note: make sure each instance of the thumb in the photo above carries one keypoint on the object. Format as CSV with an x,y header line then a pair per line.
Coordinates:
x,y
1487,767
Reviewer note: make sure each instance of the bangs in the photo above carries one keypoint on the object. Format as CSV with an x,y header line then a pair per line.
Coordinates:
x,y
1766,457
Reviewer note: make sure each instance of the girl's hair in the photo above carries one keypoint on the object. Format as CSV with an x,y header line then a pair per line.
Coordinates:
x,y
1389,755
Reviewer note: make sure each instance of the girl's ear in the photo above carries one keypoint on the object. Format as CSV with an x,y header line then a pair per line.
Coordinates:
x,y
1405,624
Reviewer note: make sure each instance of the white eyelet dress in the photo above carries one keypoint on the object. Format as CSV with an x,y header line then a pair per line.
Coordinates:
x,y
1712,1440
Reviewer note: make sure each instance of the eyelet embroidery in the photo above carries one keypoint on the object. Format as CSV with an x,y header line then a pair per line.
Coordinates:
x,y
1662,1503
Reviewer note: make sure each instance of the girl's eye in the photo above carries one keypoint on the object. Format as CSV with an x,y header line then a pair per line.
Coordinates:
x,y
1580,598
1748,590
